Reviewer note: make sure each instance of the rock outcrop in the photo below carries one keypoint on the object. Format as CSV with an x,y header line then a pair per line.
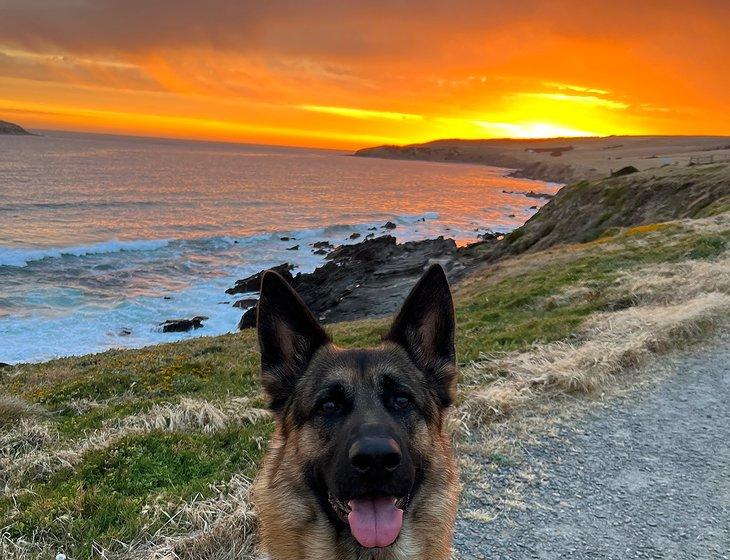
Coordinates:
x,y
369,278
252,284
12,129
183,325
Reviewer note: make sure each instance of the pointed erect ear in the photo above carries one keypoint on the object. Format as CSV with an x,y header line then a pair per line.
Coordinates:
x,y
289,335
425,328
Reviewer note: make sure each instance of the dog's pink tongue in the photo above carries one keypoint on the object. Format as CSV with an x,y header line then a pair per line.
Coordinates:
x,y
375,522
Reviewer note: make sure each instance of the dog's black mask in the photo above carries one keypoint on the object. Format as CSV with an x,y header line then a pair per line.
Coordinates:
x,y
368,414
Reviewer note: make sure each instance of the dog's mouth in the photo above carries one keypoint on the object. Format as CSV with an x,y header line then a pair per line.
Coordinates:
x,y
375,521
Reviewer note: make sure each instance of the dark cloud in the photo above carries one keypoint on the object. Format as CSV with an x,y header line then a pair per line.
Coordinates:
x,y
250,60
78,71
333,29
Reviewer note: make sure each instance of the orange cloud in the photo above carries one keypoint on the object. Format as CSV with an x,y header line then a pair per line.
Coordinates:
x,y
345,75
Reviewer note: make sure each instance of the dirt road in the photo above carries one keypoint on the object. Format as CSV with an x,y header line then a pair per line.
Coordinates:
x,y
643,476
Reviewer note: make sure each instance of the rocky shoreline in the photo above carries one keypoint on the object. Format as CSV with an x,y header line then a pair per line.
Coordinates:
x,y
366,279
371,278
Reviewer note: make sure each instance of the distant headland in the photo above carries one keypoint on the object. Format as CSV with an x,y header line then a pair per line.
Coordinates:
x,y
565,160
13,129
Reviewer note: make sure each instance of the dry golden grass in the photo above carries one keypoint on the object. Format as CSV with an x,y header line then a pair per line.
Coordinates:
x,y
666,283
609,344
14,409
222,527
25,437
196,414
669,303
31,452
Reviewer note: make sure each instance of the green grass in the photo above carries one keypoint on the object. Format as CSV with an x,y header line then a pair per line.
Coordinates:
x,y
507,315
103,498
719,206
502,460
708,247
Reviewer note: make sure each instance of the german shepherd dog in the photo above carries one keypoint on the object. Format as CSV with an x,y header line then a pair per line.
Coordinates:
x,y
360,466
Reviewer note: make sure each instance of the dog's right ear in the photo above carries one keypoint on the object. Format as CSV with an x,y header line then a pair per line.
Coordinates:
x,y
289,335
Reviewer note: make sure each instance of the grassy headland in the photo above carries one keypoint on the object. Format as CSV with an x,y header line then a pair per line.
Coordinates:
x,y
147,453
565,160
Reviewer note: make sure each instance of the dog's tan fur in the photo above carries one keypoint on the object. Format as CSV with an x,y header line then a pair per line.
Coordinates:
x,y
293,527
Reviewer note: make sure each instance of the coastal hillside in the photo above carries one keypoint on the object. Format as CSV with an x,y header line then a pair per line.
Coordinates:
x,y
149,453
12,129
564,160
370,278
586,210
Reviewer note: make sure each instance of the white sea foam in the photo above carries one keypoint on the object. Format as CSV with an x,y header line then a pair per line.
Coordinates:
x,y
21,257
173,224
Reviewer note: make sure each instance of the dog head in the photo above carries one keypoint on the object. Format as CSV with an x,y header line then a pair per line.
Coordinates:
x,y
364,420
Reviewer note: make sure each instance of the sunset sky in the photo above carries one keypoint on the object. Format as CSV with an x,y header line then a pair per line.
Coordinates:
x,y
345,74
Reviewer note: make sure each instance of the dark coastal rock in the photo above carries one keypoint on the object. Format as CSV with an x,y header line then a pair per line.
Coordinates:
x,y
628,170
372,228
369,236
323,245
319,252
245,303
293,248
12,129
366,251
125,332
389,225
183,325
556,172
252,284
287,238
354,235
248,319
534,194
490,235
531,194
369,278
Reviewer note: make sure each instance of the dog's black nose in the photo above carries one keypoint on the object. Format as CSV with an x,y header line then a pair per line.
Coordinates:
x,y
375,454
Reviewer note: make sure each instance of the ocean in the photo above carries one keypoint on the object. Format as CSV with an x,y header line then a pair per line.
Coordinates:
x,y
104,237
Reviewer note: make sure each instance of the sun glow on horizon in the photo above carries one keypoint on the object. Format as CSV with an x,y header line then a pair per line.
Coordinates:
x,y
280,76
532,130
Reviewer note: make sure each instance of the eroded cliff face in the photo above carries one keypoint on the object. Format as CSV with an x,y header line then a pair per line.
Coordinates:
x,y
585,210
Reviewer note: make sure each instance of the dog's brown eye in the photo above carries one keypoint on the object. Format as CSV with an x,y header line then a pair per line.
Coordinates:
x,y
401,401
329,407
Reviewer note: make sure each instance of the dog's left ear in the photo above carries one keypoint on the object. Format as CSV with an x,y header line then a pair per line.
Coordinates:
x,y
289,336
425,327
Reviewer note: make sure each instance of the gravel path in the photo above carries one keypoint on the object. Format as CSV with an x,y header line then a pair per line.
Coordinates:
x,y
645,476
